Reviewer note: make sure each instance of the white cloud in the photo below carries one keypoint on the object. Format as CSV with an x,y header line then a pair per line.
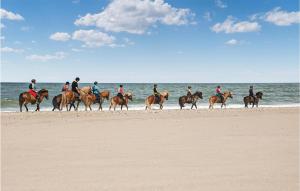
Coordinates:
x,y
76,50
92,38
4,14
60,36
207,16
2,37
232,42
2,26
231,26
26,28
220,4
47,57
136,16
282,18
11,50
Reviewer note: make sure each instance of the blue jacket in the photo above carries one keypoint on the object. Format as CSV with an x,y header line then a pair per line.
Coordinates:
x,y
95,89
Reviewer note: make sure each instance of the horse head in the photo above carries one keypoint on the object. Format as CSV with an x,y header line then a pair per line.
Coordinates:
x,y
259,95
129,96
228,94
44,93
199,94
165,94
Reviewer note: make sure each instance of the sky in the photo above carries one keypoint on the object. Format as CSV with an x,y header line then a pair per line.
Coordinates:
x,y
137,41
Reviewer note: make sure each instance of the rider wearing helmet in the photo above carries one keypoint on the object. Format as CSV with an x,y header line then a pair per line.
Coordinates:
x,y
156,93
219,93
121,92
32,89
65,87
75,87
189,93
96,90
251,94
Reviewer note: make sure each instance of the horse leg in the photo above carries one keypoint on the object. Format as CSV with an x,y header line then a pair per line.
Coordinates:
x,y
126,107
121,107
26,107
37,107
195,106
21,105
90,107
76,109
161,106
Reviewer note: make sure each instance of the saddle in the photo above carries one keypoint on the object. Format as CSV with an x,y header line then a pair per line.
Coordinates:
x,y
156,99
33,93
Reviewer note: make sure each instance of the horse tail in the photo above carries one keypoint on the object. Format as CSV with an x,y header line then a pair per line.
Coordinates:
x,y
180,102
21,100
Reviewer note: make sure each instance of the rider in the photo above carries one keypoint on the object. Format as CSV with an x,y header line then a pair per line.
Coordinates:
x,y
32,89
121,92
251,94
96,90
75,87
156,93
65,87
219,93
189,93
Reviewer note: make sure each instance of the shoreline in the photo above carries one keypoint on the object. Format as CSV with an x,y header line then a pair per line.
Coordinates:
x,y
155,108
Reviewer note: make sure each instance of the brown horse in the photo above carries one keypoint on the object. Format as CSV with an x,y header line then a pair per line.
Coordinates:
x,y
103,96
250,100
151,100
193,100
86,97
215,99
26,97
63,100
116,100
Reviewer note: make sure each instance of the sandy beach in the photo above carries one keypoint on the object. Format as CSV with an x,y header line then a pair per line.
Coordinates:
x,y
230,149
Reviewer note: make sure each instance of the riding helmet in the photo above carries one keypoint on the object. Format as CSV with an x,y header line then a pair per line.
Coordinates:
x,y
189,87
155,85
67,83
121,86
33,80
77,78
95,82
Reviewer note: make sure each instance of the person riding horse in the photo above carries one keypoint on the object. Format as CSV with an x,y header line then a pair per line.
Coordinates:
x,y
219,93
156,94
251,93
121,93
65,87
96,90
75,87
33,89
189,94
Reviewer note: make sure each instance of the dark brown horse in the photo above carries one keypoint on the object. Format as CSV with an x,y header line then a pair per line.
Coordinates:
x,y
56,101
116,100
215,99
26,97
151,100
253,101
192,100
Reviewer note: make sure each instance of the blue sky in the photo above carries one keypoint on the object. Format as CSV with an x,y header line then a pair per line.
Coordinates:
x,y
150,40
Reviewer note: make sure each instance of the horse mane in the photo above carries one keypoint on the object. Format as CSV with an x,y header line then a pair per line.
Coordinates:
x,y
259,93
42,91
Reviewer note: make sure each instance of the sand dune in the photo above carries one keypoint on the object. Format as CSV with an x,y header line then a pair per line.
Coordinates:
x,y
232,149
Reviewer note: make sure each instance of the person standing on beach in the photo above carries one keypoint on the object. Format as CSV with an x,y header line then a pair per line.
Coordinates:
x,y
156,93
96,90
75,87
219,93
65,87
251,93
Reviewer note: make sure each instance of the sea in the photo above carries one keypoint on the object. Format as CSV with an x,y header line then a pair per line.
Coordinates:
x,y
274,94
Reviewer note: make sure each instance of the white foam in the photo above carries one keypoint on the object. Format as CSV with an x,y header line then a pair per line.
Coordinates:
x,y
166,107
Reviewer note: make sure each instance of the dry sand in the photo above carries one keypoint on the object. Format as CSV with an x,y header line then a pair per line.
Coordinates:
x,y
231,149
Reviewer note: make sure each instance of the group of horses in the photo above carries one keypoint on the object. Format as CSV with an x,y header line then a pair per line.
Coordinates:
x,y
68,99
